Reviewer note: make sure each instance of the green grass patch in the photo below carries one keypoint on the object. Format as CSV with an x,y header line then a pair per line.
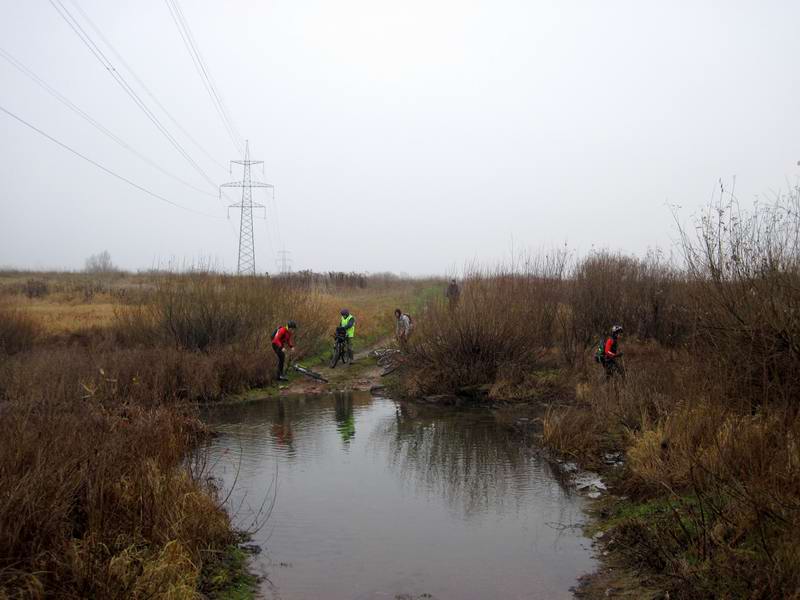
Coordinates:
x,y
229,578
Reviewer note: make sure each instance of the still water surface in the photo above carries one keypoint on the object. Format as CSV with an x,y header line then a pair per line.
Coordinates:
x,y
377,499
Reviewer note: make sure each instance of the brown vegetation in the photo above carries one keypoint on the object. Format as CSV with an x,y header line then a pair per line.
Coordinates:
x,y
96,497
18,331
206,311
710,430
502,325
95,503
708,417
99,373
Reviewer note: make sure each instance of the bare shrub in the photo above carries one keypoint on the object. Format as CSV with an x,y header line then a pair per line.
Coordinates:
x,y
144,376
36,288
746,269
98,500
204,310
731,481
648,296
504,320
100,263
107,513
714,483
18,331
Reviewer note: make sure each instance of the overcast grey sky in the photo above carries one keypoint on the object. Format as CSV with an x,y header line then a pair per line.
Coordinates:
x,y
407,136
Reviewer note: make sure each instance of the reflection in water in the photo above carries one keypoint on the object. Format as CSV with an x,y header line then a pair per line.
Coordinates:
x,y
466,457
282,427
345,420
422,500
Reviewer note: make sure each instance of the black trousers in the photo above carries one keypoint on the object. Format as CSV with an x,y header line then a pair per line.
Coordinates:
x,y
613,368
281,358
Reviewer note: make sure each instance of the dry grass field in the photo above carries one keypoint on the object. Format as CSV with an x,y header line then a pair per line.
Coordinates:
x,y
99,376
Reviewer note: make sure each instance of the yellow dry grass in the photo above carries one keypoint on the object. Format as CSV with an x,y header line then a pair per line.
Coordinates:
x,y
65,312
373,309
58,317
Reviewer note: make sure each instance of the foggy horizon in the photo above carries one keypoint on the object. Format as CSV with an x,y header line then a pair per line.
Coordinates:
x,y
414,138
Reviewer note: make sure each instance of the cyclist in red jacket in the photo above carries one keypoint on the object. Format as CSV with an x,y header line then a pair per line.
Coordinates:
x,y
611,353
281,343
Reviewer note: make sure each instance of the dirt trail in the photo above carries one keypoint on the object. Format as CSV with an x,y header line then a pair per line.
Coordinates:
x,y
360,375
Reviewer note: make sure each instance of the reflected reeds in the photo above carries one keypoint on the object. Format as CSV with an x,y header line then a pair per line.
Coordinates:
x,y
474,463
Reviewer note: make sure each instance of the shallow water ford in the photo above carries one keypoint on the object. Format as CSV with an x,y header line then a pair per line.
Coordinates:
x,y
381,500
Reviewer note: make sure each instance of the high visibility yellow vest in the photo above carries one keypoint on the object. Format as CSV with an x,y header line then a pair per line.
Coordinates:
x,y
352,331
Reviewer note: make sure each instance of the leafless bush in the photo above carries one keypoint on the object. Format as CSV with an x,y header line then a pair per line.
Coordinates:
x,y
100,263
746,269
648,296
144,376
36,288
18,331
109,512
332,280
204,310
504,320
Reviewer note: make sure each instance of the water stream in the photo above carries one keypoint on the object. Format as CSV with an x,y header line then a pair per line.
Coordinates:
x,y
378,499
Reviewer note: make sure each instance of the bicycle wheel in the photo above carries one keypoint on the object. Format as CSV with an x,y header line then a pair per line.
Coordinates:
x,y
337,353
346,358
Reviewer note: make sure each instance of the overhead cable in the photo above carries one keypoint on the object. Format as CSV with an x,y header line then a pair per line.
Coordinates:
x,y
146,89
120,79
103,168
203,71
84,115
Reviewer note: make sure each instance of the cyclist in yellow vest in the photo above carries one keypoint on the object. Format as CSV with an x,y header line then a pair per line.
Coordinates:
x,y
348,322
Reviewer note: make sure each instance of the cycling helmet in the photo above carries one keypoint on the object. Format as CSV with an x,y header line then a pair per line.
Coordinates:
x,y
616,329
345,312
292,325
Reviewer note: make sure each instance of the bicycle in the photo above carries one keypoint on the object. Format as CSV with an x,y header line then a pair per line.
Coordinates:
x,y
309,373
385,356
390,359
340,347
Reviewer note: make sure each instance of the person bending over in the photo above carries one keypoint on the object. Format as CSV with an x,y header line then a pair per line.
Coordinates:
x,y
282,343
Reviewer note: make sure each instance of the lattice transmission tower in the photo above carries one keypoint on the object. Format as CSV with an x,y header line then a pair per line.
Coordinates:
x,y
247,252
284,261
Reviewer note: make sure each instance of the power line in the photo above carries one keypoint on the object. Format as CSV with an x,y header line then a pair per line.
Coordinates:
x,y
237,138
84,115
98,53
103,168
146,89
273,224
203,71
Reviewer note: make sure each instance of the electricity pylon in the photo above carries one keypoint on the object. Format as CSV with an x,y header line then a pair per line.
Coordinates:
x,y
284,262
247,251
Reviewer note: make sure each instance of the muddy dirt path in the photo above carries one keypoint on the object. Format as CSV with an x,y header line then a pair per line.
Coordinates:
x,y
361,375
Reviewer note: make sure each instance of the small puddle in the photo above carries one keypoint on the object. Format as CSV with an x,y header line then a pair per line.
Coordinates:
x,y
378,499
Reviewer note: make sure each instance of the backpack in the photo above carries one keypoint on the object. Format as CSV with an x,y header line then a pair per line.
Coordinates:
x,y
600,351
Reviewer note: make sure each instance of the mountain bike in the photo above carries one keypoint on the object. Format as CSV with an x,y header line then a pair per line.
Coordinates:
x,y
340,347
385,356
309,373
